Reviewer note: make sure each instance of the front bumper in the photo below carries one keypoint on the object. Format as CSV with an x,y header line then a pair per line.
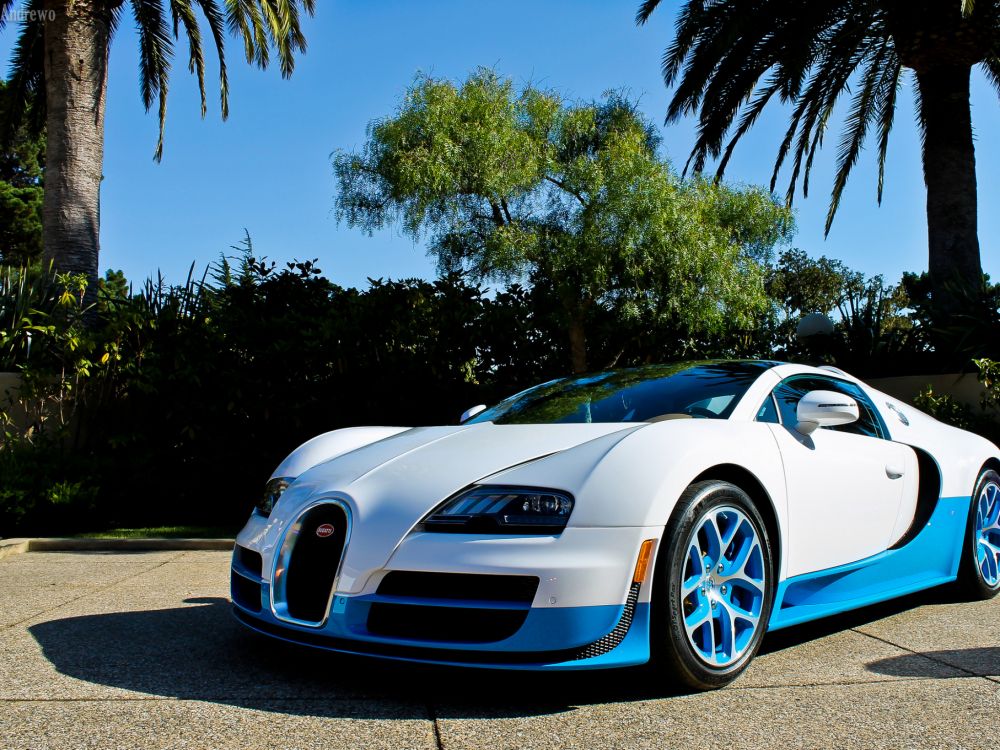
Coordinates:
x,y
586,612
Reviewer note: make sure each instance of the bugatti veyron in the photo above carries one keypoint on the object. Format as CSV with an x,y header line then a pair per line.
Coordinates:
x,y
668,514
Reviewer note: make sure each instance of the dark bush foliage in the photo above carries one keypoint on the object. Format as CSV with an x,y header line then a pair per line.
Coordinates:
x,y
174,404
195,392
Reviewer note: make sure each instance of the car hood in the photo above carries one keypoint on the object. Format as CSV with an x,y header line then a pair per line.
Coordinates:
x,y
392,484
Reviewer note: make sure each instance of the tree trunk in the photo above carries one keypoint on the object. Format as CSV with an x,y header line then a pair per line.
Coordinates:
x,y
577,344
76,75
950,174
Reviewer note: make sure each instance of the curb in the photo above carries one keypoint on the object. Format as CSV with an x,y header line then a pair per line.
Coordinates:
x,y
13,547
18,546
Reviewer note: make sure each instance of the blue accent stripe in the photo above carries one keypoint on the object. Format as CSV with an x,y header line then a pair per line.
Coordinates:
x,y
632,651
932,558
547,631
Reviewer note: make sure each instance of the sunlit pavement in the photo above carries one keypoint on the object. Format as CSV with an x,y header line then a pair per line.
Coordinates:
x,y
140,651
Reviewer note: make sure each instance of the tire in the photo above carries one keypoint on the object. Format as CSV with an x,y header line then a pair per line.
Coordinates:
x,y
978,573
693,641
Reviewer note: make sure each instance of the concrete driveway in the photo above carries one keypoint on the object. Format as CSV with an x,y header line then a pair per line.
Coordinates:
x,y
139,651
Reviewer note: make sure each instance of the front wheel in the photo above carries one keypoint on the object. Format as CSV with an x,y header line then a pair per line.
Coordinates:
x,y
713,588
979,572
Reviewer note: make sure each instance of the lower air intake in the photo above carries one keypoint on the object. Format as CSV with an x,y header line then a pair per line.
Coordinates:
x,y
451,624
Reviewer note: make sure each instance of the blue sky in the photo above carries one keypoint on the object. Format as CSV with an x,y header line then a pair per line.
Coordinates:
x,y
268,168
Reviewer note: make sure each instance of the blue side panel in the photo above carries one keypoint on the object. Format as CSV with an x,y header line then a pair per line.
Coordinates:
x,y
930,559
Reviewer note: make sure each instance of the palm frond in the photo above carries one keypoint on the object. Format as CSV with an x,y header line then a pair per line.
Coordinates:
x,y
837,75
278,24
991,66
697,52
730,58
183,13
244,20
864,108
26,87
5,6
747,120
216,24
155,52
887,114
815,103
768,44
645,11
263,24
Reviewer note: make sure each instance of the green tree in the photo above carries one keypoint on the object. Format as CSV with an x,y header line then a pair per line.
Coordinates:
x,y
60,75
730,58
872,333
511,184
800,285
21,162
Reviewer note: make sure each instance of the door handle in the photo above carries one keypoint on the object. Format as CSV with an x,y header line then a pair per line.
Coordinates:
x,y
894,471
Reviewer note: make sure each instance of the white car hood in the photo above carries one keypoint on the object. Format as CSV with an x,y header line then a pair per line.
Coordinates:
x,y
393,483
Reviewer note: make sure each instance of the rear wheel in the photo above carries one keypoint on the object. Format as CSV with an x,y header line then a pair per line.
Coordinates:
x,y
979,573
713,588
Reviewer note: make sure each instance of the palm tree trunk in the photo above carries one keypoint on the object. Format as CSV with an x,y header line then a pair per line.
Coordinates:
x,y
950,174
76,74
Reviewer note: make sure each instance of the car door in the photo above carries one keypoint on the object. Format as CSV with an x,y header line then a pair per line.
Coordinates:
x,y
844,483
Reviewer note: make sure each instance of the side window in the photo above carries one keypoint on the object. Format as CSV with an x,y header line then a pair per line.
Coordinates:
x,y
789,392
768,412
787,397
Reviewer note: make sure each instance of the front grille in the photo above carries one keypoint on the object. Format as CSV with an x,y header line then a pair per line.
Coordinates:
x,y
453,624
314,562
465,586
245,592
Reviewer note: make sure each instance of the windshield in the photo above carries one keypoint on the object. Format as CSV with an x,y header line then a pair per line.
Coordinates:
x,y
703,390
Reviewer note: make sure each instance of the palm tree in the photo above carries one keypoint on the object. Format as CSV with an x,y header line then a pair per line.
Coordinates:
x,y
62,55
731,57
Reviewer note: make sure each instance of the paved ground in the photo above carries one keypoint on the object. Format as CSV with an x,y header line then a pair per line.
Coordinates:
x,y
139,651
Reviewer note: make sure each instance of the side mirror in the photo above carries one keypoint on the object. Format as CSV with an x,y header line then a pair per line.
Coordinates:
x,y
825,409
470,413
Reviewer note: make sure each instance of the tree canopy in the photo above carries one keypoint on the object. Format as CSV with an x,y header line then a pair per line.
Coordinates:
x,y
509,183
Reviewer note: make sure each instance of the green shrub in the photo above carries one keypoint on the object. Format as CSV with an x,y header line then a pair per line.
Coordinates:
x,y
983,420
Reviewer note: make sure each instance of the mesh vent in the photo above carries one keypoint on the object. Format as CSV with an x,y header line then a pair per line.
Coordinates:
x,y
616,636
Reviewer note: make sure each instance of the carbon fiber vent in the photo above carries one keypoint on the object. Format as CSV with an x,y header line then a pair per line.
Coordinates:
x,y
616,636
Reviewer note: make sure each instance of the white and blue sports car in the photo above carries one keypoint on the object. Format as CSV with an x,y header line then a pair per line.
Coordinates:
x,y
671,513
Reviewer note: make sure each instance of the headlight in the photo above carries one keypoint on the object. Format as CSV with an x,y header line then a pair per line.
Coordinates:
x,y
272,491
502,510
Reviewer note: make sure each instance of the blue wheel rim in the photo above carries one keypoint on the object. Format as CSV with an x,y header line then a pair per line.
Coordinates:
x,y
988,534
722,587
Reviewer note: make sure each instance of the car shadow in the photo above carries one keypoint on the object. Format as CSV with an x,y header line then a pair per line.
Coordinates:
x,y
967,662
811,631
201,653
